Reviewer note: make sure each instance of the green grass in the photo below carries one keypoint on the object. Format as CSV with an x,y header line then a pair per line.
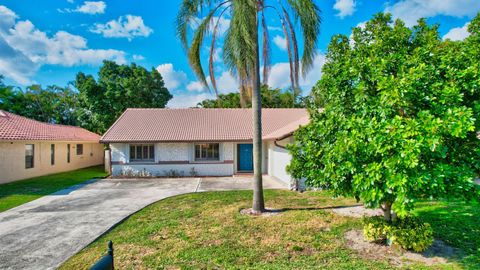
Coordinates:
x,y
20,192
458,225
206,231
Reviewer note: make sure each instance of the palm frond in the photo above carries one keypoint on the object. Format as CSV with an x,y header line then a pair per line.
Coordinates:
x,y
197,41
296,60
239,51
212,51
265,49
309,15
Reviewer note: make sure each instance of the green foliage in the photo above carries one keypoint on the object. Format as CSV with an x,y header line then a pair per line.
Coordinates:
x,y
53,104
271,98
400,113
242,50
117,88
409,233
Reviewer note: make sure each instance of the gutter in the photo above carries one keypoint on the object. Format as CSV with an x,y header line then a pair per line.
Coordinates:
x,y
281,138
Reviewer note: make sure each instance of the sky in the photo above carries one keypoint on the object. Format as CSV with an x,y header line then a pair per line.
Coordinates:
x,y
48,42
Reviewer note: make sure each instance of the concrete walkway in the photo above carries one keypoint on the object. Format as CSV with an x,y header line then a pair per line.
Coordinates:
x,y
42,234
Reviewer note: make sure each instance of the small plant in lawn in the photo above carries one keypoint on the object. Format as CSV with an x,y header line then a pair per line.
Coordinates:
x,y
409,233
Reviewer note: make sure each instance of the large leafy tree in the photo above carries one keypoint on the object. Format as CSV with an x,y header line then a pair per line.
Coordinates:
x,y
271,98
117,88
52,104
241,50
401,111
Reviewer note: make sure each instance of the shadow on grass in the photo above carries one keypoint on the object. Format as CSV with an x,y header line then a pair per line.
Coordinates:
x,y
458,225
313,208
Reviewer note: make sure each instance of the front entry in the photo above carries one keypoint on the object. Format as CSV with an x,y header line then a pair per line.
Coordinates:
x,y
245,157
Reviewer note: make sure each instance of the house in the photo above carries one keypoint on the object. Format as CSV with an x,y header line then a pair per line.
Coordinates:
x,y
29,148
203,142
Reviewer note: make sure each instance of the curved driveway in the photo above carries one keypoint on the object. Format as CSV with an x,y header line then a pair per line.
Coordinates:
x,y
44,233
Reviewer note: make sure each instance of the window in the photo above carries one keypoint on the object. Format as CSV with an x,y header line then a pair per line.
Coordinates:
x,y
79,149
68,153
29,155
52,154
142,152
207,151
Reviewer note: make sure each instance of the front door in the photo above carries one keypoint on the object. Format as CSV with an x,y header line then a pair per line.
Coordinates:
x,y
245,157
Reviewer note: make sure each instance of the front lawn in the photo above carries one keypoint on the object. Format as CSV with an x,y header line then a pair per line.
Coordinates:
x,y
20,192
206,231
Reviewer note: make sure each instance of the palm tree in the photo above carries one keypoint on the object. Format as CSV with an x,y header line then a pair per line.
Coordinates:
x,y
241,51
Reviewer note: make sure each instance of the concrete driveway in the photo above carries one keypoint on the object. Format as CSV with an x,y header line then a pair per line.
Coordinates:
x,y
44,233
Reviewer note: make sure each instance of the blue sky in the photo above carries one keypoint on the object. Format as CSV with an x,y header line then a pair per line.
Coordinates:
x,y
49,41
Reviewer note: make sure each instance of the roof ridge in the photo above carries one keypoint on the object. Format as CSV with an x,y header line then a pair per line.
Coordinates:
x,y
33,129
44,123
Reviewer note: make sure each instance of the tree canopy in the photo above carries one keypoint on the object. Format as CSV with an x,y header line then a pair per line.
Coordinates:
x,y
52,104
401,111
118,87
271,98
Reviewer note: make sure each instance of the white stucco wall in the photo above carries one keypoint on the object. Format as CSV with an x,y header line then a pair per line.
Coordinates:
x,y
178,157
203,169
278,159
12,158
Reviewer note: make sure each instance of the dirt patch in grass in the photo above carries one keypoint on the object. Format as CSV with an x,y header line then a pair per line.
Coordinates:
x,y
268,212
438,253
357,211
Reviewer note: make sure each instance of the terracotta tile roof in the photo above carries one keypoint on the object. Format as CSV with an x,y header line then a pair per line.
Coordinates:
x,y
15,127
184,125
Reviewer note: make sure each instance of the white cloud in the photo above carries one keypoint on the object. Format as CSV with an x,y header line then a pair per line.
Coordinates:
x,y
344,7
196,86
281,42
280,74
457,33
187,101
274,28
88,7
128,26
24,49
138,57
223,24
217,55
226,83
412,10
7,18
92,7
172,78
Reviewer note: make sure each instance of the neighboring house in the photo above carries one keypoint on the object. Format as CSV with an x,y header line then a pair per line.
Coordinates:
x,y
203,142
29,148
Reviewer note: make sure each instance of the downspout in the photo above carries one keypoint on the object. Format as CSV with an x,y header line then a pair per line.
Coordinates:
x,y
282,138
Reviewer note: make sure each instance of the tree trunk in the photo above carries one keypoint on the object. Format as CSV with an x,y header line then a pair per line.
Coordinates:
x,y
258,201
387,211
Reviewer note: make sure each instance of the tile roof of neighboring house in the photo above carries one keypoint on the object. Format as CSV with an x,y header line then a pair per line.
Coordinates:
x,y
15,127
185,125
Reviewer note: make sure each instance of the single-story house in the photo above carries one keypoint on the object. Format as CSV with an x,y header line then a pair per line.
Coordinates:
x,y
30,148
199,142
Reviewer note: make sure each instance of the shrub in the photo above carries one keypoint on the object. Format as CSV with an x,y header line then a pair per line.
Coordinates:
x,y
409,233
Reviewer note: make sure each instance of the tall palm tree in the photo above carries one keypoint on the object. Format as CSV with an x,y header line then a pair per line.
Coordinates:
x,y
241,51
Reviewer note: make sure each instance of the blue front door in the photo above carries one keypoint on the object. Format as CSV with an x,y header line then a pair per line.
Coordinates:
x,y
245,157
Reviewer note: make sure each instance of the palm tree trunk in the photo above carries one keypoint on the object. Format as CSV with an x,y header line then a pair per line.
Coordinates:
x,y
258,201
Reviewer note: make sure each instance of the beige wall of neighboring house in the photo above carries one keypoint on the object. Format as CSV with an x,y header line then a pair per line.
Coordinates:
x,y
12,158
